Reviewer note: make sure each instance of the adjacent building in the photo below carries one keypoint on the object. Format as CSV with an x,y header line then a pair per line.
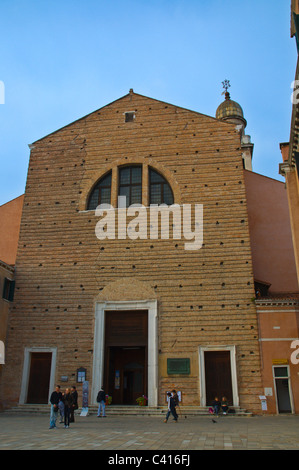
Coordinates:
x,y
10,217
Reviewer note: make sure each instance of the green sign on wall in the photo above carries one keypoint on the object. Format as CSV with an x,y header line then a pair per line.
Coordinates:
x,y
178,366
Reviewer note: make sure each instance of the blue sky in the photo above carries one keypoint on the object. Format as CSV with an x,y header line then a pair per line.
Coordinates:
x,y
61,60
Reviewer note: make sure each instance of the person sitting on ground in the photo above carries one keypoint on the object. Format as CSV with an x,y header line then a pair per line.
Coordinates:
x,y
216,405
224,405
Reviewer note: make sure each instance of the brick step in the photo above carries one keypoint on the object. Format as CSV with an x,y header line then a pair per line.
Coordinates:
x,y
121,410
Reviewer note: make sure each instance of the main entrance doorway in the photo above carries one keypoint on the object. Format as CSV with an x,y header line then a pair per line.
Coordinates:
x,y
125,374
218,376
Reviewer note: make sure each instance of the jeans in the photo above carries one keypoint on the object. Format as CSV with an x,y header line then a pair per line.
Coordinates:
x,y
101,406
173,412
53,417
61,410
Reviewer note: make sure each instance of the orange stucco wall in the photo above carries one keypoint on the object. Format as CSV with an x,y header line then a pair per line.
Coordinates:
x,y
10,219
278,324
270,233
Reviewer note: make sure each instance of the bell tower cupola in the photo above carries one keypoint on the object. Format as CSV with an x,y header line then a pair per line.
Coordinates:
x,y
232,112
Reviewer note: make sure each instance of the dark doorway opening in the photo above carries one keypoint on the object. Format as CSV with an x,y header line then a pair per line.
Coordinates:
x,y
39,378
127,378
282,386
218,376
126,356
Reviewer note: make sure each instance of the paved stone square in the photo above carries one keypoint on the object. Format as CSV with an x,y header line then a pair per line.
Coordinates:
x,y
31,432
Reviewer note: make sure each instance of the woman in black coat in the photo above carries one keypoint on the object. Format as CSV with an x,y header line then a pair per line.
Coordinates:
x,y
68,402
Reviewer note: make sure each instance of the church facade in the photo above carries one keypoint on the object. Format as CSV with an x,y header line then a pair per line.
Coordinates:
x,y
108,294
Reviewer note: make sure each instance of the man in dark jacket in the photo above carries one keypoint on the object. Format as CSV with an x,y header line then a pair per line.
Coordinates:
x,y
54,400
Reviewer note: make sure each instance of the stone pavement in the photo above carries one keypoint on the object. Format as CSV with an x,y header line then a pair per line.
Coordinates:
x,y
31,432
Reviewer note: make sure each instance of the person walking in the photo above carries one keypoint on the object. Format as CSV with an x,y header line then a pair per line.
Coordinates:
x,y
74,406
171,408
56,395
68,402
101,399
176,401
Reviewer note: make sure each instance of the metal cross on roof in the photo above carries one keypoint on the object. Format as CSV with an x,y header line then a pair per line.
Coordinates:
x,y
226,86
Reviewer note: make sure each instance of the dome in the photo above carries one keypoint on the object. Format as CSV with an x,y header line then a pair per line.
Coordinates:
x,y
229,109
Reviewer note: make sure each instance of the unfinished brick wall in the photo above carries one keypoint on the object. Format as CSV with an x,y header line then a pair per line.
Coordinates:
x,y
204,296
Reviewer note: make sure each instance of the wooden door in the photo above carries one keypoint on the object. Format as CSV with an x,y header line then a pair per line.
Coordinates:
x,y
218,376
39,378
126,328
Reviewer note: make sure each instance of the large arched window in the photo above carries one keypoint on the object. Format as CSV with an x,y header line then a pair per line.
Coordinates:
x,y
160,191
130,184
101,193
130,181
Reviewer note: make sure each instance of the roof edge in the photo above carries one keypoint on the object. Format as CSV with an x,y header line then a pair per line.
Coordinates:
x,y
131,92
77,120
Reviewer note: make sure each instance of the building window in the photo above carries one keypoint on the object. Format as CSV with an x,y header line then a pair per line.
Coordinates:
x,y
8,290
130,184
160,191
261,289
101,193
129,116
130,179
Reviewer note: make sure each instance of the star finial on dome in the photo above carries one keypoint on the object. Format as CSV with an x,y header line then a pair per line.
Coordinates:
x,y
226,86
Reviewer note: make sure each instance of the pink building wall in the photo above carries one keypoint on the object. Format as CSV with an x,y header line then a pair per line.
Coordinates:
x,y
270,233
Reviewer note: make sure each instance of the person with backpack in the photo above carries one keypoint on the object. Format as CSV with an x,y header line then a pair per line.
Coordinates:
x,y
101,399
176,401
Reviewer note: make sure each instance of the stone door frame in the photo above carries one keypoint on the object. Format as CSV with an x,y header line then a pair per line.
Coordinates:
x,y
26,371
99,344
233,366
